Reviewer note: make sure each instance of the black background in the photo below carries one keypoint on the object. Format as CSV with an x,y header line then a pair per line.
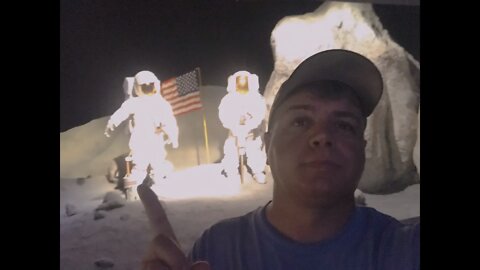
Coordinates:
x,y
101,42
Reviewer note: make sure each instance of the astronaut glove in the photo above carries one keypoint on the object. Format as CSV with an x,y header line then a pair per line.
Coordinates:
x,y
108,128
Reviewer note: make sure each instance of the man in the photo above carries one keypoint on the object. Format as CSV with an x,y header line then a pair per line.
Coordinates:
x,y
153,119
316,151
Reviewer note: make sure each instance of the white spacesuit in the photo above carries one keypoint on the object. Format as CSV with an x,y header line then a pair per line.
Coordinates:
x,y
240,111
153,119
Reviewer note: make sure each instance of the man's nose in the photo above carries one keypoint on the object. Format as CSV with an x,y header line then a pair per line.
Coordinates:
x,y
321,137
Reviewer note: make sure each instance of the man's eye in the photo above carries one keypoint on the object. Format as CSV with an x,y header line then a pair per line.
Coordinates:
x,y
346,126
301,122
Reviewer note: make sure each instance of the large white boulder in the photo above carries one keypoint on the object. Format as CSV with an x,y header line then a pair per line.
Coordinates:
x,y
391,131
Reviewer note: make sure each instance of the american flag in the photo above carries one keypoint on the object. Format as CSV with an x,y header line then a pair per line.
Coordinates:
x,y
183,92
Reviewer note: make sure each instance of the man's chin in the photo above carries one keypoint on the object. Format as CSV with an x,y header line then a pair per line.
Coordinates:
x,y
317,198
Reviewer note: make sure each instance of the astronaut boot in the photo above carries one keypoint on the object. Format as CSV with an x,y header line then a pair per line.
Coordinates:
x,y
130,187
131,194
260,178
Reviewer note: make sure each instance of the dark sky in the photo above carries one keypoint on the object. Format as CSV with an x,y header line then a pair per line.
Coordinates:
x,y
101,42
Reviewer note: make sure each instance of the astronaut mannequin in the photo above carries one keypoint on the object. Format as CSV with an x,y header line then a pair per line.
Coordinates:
x,y
241,111
153,119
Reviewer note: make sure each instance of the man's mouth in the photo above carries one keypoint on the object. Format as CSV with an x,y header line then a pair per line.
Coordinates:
x,y
321,164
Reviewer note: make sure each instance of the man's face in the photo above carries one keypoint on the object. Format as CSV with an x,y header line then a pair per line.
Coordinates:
x,y
316,148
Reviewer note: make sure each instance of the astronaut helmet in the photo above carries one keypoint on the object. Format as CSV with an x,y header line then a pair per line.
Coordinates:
x,y
242,82
146,83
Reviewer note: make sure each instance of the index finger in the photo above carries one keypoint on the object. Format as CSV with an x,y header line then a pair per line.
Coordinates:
x,y
155,212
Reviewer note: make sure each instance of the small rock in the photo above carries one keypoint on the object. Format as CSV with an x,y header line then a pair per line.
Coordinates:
x,y
125,217
112,200
114,196
70,210
80,181
99,214
104,263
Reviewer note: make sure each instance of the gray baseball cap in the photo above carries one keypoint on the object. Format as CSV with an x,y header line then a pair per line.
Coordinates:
x,y
344,66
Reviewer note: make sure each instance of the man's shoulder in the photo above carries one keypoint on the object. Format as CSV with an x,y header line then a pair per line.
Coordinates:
x,y
398,240
231,229
384,224
235,223
391,232
225,235
378,217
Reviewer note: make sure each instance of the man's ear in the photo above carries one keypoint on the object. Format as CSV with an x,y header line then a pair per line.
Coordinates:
x,y
266,139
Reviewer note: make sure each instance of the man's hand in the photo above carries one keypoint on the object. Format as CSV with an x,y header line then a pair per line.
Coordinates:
x,y
164,251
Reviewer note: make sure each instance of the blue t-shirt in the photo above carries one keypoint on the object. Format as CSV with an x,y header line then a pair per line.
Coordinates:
x,y
369,240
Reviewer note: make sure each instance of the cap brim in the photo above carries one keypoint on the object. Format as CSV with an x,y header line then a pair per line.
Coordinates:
x,y
344,66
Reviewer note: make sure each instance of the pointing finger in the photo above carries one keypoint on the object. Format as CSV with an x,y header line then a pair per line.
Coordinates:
x,y
155,212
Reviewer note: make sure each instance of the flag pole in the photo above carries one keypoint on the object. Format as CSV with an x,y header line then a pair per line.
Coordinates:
x,y
205,133
205,130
